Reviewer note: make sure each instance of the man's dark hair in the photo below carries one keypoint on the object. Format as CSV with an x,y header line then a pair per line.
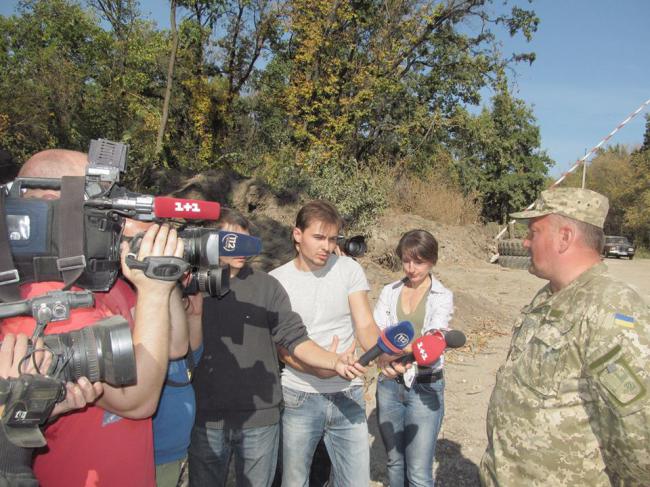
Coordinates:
x,y
229,216
418,245
318,210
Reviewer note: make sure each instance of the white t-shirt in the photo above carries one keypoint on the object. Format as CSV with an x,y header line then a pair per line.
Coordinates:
x,y
321,299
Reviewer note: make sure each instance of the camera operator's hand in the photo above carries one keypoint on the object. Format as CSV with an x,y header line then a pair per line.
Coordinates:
x,y
13,350
158,240
78,396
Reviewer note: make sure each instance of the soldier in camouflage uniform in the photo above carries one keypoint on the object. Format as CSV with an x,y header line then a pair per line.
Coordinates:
x,y
571,404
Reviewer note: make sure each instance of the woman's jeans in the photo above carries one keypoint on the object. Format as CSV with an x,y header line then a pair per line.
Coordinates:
x,y
409,422
341,418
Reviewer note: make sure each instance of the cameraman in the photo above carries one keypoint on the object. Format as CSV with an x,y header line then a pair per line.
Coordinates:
x,y
111,442
15,462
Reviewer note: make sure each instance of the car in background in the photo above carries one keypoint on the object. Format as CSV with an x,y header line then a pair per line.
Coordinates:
x,y
618,247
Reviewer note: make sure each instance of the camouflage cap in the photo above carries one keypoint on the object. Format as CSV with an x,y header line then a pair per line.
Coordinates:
x,y
583,205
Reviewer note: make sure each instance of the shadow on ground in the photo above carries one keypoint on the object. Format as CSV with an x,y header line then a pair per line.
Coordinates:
x,y
454,469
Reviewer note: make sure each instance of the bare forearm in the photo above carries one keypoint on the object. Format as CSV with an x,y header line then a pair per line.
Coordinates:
x,y
310,354
195,326
299,365
365,328
367,336
179,335
151,345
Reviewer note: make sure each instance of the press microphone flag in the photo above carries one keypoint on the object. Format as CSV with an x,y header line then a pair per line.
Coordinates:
x,y
391,341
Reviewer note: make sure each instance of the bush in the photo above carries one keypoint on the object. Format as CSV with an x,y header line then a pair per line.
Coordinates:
x,y
358,193
433,197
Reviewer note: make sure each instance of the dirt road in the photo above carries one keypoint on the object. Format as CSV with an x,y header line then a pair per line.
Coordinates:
x,y
487,298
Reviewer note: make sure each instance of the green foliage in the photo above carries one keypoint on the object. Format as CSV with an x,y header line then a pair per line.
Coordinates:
x,y
357,192
499,156
646,135
624,178
51,58
326,97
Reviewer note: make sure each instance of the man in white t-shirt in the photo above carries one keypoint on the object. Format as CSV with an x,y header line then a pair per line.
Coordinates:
x,y
330,293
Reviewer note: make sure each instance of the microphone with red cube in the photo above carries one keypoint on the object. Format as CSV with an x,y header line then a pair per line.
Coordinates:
x,y
392,341
427,349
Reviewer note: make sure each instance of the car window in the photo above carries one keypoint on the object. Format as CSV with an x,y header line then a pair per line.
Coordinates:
x,y
616,240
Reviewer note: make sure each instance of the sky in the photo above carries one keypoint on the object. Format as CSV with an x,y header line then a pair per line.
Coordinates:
x,y
592,70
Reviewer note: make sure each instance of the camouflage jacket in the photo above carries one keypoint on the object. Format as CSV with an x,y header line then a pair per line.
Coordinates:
x,y
570,405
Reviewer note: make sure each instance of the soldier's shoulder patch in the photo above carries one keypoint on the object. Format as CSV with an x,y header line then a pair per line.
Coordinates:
x,y
624,320
623,385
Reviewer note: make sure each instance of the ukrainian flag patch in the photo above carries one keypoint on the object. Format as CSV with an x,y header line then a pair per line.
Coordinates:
x,y
624,320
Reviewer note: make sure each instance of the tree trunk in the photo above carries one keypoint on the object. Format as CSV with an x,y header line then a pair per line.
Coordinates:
x,y
170,78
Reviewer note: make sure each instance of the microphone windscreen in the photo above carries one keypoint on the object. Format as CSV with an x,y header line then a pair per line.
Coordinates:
x,y
455,338
395,338
166,207
233,244
428,348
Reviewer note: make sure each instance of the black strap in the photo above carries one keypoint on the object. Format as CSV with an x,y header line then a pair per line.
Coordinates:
x,y
71,262
9,277
423,378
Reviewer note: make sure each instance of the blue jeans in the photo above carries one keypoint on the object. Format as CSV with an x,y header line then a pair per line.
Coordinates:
x,y
341,418
255,450
409,422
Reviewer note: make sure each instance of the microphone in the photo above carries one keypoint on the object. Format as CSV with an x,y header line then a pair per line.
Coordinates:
x,y
392,341
428,348
235,244
166,207
146,208
204,246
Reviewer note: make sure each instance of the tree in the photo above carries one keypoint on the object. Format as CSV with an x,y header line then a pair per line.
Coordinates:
x,y
646,135
637,213
368,77
170,77
52,55
609,173
499,156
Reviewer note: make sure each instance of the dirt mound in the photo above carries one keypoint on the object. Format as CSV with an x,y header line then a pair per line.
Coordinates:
x,y
467,244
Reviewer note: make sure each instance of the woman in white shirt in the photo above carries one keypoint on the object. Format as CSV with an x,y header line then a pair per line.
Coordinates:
x,y
410,408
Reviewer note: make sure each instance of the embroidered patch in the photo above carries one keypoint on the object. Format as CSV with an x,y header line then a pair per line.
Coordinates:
x,y
621,382
624,320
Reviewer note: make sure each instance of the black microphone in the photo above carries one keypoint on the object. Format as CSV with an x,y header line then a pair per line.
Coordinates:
x,y
392,340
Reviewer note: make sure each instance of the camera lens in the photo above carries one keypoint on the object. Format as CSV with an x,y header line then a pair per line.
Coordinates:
x,y
214,280
103,352
355,246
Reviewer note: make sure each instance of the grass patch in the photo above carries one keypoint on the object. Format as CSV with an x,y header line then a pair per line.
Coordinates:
x,y
433,198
